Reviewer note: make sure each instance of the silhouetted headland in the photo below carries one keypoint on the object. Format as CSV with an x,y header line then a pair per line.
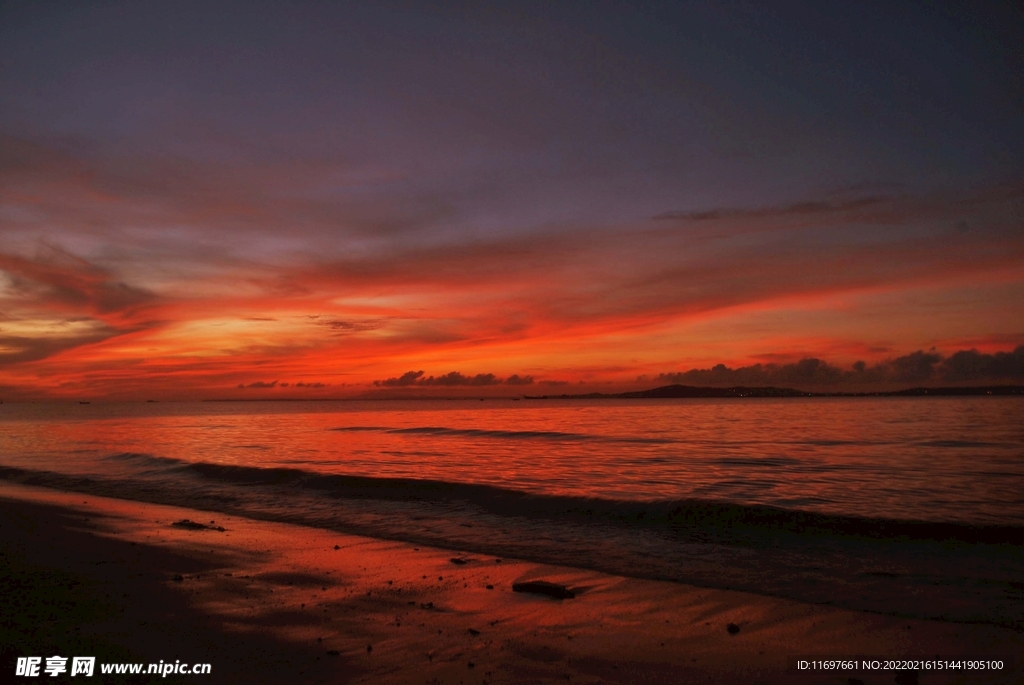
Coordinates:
x,y
690,391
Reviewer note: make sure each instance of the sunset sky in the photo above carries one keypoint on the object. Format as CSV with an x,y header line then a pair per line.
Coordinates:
x,y
209,200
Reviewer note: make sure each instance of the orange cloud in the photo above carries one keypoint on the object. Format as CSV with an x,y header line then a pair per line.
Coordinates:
x,y
158,275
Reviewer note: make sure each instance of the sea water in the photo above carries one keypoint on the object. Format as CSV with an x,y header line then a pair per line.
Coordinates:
x,y
906,506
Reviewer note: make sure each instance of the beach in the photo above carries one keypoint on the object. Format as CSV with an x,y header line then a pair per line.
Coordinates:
x,y
427,343
278,603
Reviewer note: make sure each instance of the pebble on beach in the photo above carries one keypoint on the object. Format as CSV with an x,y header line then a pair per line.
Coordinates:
x,y
543,587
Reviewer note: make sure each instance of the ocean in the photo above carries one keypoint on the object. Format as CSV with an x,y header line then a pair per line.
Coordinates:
x,y
905,506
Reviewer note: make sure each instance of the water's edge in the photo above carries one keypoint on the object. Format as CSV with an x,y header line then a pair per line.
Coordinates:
x,y
943,571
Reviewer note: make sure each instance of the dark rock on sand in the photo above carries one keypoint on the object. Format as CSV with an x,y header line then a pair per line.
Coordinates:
x,y
543,587
732,628
195,525
474,632
460,561
178,578
191,525
333,652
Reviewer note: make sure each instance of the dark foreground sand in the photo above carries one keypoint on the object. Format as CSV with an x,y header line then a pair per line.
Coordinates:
x,y
275,603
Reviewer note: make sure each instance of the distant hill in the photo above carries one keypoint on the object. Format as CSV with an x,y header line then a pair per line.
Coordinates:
x,y
980,390
694,391
690,391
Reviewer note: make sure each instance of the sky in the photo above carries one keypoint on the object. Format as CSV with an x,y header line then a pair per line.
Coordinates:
x,y
260,200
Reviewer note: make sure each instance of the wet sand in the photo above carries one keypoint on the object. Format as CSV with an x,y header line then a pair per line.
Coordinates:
x,y
277,603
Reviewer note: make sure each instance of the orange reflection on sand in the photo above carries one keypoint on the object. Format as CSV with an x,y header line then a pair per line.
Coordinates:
x,y
392,611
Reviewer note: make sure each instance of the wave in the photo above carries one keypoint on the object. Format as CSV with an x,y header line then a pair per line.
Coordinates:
x,y
764,462
704,518
836,443
589,437
717,518
678,514
960,443
503,434
143,458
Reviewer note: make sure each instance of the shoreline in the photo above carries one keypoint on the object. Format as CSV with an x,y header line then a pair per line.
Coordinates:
x,y
666,392
253,600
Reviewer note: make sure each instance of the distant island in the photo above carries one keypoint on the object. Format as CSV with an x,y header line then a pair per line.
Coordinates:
x,y
690,391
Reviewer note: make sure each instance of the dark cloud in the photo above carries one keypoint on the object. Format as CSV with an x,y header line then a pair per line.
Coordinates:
x,y
454,378
66,302
917,368
871,188
15,349
57,278
351,326
259,385
971,365
795,209
451,379
407,378
311,385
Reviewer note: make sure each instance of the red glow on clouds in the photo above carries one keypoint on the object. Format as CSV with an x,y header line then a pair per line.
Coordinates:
x,y
213,295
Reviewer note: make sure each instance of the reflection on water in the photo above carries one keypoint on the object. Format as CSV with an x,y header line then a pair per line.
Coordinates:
x,y
911,506
937,459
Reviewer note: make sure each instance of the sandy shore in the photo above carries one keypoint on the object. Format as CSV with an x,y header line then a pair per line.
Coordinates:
x,y
276,603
